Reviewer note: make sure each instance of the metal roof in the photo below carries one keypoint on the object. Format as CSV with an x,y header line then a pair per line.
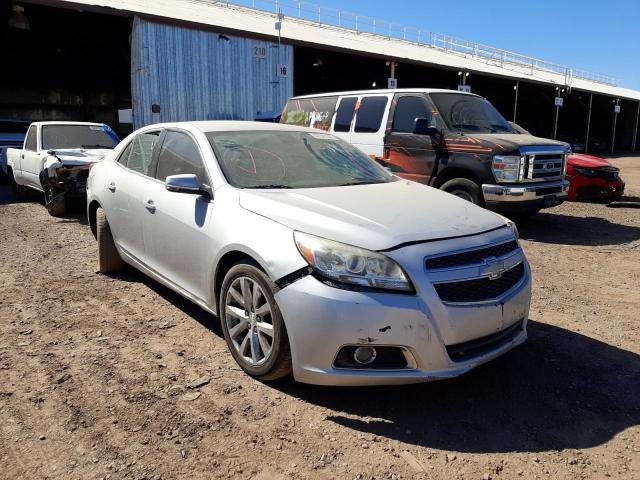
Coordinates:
x,y
255,22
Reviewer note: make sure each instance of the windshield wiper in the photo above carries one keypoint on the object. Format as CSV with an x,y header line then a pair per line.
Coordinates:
x,y
502,128
96,146
366,182
269,186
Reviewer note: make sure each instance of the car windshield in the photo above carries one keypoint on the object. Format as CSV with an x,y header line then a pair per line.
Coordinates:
x,y
292,159
57,137
470,114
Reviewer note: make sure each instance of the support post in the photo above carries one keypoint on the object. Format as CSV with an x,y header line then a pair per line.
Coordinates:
x,y
635,130
586,137
515,101
615,124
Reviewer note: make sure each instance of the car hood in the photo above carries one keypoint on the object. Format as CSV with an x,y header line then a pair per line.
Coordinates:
x,y
587,161
375,217
81,156
504,142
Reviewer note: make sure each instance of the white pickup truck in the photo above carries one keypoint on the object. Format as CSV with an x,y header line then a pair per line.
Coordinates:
x,y
55,159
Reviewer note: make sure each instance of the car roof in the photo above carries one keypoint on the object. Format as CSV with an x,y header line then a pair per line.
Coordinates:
x,y
232,126
383,91
68,123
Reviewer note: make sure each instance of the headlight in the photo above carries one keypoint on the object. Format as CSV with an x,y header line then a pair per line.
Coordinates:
x,y
587,172
506,168
512,226
350,265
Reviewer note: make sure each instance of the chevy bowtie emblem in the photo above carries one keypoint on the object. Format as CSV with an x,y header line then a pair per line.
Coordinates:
x,y
493,268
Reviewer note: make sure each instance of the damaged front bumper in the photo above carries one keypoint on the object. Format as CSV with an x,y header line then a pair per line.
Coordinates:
x,y
417,337
69,180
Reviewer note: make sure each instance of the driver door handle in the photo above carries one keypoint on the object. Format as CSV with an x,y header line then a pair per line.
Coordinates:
x,y
112,186
149,205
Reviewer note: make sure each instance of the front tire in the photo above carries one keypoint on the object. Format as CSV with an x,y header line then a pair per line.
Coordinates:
x,y
465,189
252,323
109,260
56,204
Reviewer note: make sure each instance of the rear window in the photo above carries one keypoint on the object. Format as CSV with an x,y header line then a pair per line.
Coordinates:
x,y
310,112
370,114
344,115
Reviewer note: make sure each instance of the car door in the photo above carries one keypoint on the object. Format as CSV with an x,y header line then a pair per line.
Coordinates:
x,y
126,182
407,154
176,229
30,159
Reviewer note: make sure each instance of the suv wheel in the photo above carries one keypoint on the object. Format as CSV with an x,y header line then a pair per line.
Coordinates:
x,y
252,323
465,189
108,257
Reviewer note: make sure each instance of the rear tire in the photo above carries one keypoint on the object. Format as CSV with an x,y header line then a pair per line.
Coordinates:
x,y
262,312
109,260
465,189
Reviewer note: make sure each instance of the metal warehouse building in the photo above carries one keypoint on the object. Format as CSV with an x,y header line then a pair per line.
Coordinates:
x,y
133,62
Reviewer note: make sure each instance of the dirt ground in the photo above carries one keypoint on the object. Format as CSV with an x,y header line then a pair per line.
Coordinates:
x,y
120,378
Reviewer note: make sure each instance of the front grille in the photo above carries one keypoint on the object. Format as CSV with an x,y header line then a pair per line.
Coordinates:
x,y
480,346
542,166
480,289
471,257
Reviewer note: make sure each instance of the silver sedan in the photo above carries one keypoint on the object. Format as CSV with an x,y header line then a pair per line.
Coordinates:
x,y
317,261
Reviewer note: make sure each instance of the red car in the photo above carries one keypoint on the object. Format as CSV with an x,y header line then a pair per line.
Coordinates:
x,y
592,178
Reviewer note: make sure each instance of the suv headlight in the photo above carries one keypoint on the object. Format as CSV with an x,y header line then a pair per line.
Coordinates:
x,y
348,265
506,168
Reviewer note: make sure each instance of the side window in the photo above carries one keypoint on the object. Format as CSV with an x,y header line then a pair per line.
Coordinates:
x,y
310,112
179,155
407,110
370,114
137,156
31,142
344,115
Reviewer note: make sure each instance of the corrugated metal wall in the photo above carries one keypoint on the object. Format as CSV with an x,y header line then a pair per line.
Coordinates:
x,y
201,75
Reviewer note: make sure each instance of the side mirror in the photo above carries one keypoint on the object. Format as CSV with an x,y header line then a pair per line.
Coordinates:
x,y
423,126
187,183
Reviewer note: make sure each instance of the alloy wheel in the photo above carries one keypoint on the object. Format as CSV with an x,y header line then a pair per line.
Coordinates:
x,y
249,320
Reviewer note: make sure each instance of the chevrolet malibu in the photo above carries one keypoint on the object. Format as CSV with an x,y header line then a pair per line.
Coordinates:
x,y
317,261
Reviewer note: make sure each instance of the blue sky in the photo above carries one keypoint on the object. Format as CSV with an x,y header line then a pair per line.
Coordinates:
x,y
601,36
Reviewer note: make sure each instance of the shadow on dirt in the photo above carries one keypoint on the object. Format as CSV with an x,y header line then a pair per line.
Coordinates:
x,y
560,390
555,228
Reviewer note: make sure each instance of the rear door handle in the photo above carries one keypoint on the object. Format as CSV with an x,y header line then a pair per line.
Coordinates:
x,y
149,205
112,186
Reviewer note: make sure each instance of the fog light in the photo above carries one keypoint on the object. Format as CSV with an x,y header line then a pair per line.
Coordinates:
x,y
364,355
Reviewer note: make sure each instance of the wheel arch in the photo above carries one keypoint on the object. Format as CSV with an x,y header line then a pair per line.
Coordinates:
x,y
91,214
224,264
450,173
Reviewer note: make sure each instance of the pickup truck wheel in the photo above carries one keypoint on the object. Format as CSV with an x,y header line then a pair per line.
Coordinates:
x,y
56,204
465,189
252,323
109,260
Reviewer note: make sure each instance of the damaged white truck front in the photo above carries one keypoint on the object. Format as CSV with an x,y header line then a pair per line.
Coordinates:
x,y
55,160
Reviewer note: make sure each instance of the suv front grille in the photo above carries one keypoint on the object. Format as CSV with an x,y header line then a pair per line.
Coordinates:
x,y
471,257
480,289
543,166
